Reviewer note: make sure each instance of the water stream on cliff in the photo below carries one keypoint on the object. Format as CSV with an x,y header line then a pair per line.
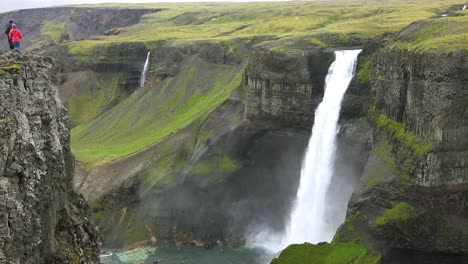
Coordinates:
x,y
145,70
308,221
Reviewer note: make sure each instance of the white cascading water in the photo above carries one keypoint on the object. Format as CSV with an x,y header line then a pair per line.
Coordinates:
x,y
145,70
308,222
464,7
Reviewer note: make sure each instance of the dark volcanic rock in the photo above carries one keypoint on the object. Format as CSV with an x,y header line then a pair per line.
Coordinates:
x,y
285,87
42,219
426,92
414,211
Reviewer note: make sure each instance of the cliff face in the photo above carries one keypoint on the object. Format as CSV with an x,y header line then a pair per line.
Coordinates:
x,y
426,93
90,88
285,87
43,220
411,202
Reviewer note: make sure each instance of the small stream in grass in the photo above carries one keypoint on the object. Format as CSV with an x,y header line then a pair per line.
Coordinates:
x,y
187,255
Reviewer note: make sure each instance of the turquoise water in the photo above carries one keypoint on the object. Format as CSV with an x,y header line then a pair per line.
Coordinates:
x,y
173,255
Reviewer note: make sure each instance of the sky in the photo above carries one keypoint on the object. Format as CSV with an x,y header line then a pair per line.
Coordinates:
x,y
9,5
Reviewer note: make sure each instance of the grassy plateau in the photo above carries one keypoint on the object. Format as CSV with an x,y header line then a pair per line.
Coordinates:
x,y
315,22
148,116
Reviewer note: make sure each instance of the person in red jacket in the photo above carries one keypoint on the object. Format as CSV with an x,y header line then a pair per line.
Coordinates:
x,y
15,35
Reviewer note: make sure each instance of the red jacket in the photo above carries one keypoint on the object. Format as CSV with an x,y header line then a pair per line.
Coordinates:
x,y
15,35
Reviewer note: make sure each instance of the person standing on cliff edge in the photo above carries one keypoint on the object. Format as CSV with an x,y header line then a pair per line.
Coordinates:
x,y
15,35
7,32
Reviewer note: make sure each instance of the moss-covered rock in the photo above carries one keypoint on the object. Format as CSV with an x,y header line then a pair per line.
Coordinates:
x,y
335,252
400,211
11,68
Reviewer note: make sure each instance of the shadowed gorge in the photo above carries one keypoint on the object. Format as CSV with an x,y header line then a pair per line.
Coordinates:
x,y
205,148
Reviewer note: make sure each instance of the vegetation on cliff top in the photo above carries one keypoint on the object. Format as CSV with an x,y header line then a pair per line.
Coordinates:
x,y
445,34
291,25
277,25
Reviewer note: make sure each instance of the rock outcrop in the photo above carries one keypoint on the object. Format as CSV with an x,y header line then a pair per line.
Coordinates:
x,y
42,219
286,87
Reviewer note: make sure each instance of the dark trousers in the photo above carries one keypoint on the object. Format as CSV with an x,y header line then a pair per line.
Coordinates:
x,y
11,43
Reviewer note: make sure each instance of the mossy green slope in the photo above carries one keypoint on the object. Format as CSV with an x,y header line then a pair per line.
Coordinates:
x,y
335,252
102,92
154,113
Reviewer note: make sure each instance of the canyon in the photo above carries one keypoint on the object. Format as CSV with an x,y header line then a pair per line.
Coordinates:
x,y
211,148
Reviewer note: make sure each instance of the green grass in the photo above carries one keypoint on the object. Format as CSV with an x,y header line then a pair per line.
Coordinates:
x,y
218,163
212,169
398,147
53,30
335,252
397,130
12,68
400,211
102,91
348,232
85,108
170,161
363,72
446,35
286,24
150,115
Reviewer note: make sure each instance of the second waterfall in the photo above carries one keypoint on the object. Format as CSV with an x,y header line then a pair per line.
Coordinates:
x,y
308,221
145,70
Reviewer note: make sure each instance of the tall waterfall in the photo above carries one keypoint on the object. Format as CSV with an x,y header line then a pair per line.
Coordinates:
x,y
145,70
308,222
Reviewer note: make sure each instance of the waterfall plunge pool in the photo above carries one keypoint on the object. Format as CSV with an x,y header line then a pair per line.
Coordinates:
x,y
187,255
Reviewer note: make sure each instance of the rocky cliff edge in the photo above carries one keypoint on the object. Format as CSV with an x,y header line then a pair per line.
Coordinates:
x,y
42,219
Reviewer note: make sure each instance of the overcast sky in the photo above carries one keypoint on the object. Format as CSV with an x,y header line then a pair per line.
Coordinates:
x,y
8,5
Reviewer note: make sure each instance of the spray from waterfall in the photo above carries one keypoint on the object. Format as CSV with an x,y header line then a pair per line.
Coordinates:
x,y
464,7
145,70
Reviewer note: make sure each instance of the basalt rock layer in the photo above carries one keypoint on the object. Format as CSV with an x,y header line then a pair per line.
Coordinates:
x,y
411,202
42,219
285,87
